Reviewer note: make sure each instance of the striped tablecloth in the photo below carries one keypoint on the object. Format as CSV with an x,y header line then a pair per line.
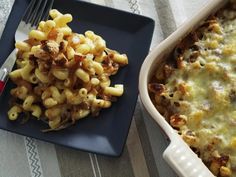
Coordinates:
x,y
142,157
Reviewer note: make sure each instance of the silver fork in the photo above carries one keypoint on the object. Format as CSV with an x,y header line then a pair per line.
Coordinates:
x,y
36,11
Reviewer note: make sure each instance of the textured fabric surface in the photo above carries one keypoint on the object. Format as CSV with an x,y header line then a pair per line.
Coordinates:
x,y
142,157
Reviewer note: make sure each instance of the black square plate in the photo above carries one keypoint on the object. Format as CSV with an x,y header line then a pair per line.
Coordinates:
x,y
125,32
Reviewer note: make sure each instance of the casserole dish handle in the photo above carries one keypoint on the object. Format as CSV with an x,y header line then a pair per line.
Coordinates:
x,y
184,161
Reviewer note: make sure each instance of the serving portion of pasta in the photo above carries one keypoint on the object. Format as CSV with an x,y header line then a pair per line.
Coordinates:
x,y
63,76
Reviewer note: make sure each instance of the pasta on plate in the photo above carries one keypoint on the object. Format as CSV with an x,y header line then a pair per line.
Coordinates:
x,y
63,76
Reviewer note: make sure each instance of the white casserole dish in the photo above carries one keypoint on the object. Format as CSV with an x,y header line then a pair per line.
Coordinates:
x,y
178,154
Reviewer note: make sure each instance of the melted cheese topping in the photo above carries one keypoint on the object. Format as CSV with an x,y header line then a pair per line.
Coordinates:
x,y
203,92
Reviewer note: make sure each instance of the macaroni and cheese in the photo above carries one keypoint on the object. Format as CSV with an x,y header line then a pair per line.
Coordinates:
x,y
196,91
63,76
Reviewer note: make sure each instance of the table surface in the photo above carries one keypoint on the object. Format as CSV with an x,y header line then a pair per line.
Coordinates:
x,y
142,157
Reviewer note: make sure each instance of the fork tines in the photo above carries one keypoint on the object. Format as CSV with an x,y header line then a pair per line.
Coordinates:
x,y
36,11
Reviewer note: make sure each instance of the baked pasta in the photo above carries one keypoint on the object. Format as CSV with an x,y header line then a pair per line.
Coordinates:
x,y
63,76
195,90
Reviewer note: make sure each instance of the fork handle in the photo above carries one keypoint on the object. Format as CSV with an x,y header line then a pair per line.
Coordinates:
x,y
3,79
2,85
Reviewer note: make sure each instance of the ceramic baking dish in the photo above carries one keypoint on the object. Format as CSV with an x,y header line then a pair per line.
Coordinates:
x,y
178,154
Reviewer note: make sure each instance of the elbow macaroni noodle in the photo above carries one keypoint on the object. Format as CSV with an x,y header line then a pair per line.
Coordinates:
x,y
63,76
